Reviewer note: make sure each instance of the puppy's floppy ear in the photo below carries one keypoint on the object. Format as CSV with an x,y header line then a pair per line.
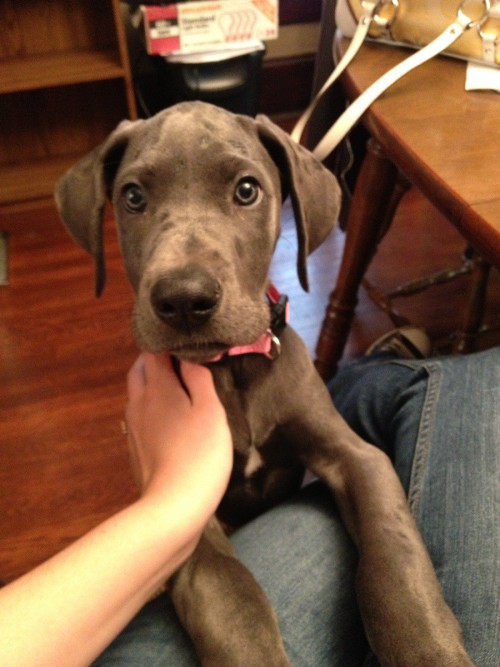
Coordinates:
x,y
313,189
82,192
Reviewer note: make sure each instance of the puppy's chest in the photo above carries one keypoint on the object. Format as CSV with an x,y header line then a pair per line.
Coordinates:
x,y
253,421
254,462
261,446
265,472
255,451
266,469
244,386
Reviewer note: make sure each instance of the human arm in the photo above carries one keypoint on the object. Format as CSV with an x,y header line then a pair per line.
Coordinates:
x,y
68,610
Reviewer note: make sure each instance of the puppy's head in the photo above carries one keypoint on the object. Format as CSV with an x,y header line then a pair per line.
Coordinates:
x,y
197,194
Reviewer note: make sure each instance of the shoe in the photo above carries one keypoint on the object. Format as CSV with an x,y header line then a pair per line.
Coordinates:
x,y
406,343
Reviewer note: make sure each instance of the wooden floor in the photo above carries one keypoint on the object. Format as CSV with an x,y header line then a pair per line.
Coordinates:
x,y
64,356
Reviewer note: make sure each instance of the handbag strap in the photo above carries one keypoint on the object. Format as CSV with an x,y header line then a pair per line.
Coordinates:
x,y
360,34
353,113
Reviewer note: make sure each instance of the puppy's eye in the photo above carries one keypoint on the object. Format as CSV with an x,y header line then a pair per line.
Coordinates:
x,y
134,197
247,191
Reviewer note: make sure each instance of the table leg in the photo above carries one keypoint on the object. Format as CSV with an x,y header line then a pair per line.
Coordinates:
x,y
366,223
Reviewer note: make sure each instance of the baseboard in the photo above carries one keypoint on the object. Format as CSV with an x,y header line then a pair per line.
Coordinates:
x,y
286,84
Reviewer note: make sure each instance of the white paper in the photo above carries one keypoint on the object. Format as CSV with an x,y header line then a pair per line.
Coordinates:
x,y
482,77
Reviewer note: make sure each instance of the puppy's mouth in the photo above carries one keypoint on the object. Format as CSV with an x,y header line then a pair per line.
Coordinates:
x,y
200,353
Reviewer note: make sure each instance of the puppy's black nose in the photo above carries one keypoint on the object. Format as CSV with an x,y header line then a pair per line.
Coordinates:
x,y
186,298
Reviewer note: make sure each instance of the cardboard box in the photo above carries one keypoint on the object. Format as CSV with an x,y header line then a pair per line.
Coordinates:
x,y
209,25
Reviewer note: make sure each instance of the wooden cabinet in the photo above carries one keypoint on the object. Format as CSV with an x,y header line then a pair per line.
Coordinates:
x,y
65,83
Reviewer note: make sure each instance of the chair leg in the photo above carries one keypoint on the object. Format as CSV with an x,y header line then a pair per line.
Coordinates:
x,y
474,311
366,224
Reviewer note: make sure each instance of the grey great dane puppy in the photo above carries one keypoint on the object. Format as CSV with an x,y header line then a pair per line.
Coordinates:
x,y
197,194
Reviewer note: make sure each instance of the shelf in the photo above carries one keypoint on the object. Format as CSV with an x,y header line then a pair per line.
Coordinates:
x,y
65,83
58,69
31,181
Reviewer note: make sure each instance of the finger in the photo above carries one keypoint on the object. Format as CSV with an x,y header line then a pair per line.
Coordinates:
x,y
136,377
150,370
156,366
162,377
198,381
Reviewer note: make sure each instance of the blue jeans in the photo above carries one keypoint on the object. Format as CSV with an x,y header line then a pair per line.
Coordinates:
x,y
439,420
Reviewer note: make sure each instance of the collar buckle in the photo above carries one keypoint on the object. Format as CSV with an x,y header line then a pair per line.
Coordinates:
x,y
275,345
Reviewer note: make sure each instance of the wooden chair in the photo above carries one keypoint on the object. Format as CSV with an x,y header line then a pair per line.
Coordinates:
x,y
379,189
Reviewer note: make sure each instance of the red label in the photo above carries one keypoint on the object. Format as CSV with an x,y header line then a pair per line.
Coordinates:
x,y
162,29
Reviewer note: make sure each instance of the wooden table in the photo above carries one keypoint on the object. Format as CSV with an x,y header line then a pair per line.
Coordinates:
x,y
444,140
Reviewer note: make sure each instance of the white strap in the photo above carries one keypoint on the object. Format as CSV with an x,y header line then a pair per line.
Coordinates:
x,y
355,110
356,43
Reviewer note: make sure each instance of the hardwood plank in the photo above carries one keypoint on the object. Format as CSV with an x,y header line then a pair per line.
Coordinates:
x,y
33,180
64,356
4,277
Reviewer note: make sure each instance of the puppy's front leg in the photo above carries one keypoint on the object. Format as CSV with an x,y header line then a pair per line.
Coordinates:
x,y
406,619
223,608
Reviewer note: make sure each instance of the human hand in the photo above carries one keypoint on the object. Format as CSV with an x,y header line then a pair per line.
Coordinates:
x,y
179,438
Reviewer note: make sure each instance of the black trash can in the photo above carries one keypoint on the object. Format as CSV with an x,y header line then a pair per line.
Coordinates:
x,y
228,79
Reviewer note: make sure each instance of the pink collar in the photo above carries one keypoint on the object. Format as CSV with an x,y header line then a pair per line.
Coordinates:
x,y
269,343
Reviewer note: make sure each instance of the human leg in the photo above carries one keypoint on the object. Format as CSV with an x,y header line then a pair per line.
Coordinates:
x,y
153,638
301,555
439,420
455,494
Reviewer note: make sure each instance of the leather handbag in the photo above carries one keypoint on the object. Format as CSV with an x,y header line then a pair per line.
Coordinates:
x,y
416,23
468,29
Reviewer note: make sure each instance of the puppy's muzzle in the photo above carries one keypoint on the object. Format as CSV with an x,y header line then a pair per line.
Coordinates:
x,y
186,298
